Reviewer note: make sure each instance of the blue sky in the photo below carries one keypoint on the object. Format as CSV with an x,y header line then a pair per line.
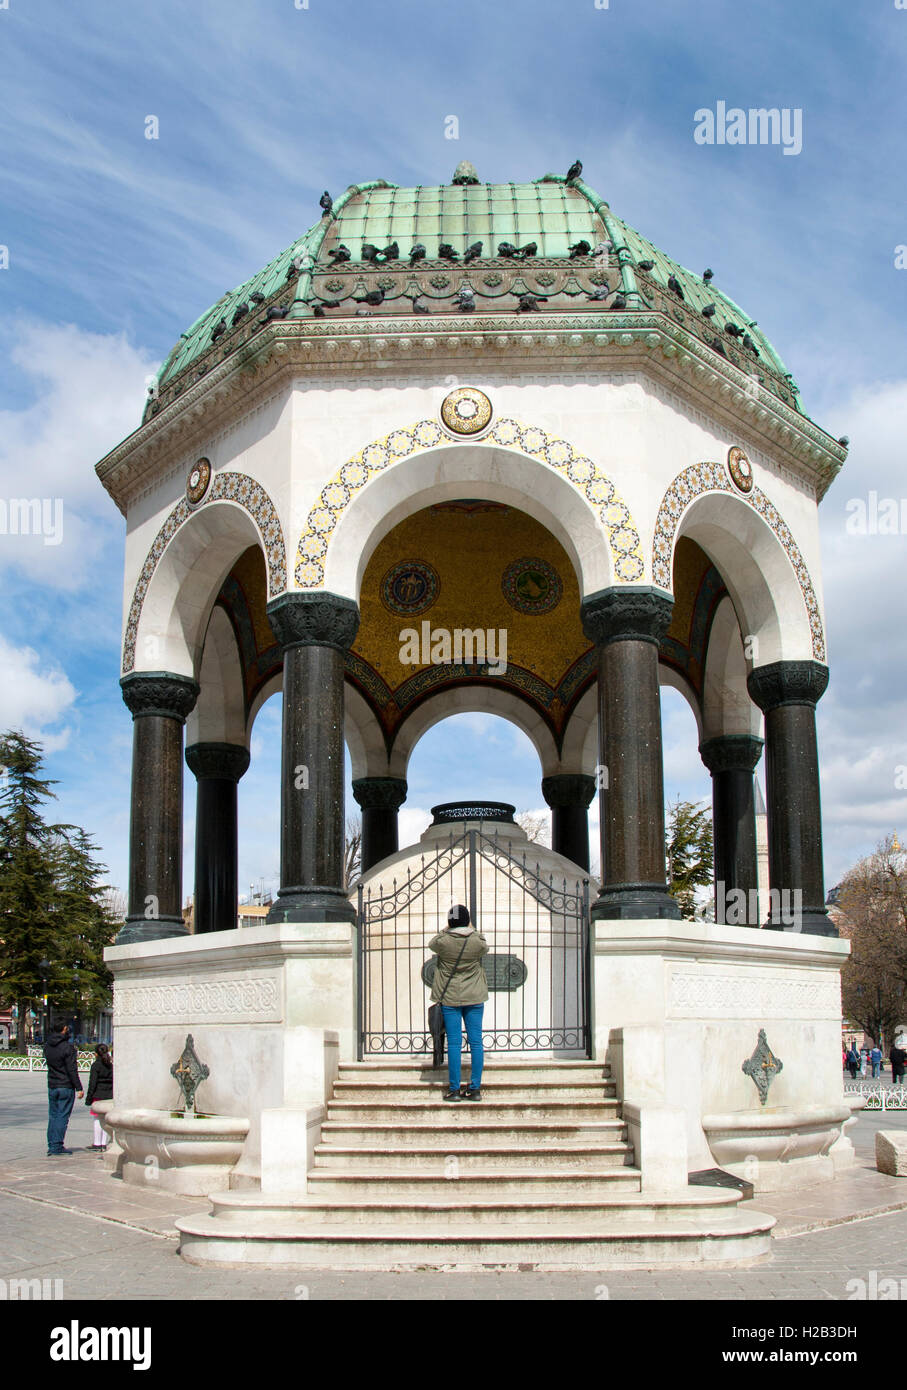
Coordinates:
x,y
117,243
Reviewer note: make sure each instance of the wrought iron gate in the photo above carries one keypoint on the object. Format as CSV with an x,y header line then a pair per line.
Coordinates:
x,y
537,966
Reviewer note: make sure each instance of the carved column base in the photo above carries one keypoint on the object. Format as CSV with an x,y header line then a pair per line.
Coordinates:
x,y
313,903
138,929
634,902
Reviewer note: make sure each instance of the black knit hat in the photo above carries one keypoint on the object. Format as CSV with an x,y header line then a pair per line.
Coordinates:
x,y
458,916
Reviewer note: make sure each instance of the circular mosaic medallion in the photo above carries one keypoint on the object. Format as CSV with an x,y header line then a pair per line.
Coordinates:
x,y
410,587
466,410
740,469
532,586
198,480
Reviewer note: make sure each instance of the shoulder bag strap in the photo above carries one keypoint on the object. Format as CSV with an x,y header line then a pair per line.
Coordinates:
x,y
454,971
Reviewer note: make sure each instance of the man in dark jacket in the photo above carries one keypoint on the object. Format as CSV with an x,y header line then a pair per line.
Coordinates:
x,y
62,1084
897,1056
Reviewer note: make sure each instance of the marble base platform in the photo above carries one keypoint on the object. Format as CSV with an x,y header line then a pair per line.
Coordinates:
x,y
678,1008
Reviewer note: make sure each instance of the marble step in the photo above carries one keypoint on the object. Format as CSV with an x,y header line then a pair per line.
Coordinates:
x,y
490,1110
370,1184
465,1131
444,1208
594,1156
528,1071
294,1241
495,1088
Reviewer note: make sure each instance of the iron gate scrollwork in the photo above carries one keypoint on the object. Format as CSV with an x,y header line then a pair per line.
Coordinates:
x,y
537,967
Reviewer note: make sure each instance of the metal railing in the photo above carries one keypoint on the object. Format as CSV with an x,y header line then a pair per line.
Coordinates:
x,y
537,967
14,1061
878,1097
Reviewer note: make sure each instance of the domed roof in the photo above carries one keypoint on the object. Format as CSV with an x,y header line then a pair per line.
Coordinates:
x,y
553,240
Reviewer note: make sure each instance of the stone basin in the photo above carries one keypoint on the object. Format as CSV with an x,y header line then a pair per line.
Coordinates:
x,y
777,1146
188,1153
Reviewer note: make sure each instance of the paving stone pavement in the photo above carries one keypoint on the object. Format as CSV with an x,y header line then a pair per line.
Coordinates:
x,y
63,1219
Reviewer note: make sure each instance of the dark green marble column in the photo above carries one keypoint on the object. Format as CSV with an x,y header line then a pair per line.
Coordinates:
x,y
731,759
380,799
159,703
627,625
218,768
787,692
569,794
315,630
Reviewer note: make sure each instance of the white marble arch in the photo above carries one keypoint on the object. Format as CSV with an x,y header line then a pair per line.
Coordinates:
x,y
451,471
181,593
580,744
727,707
669,676
219,715
470,699
757,573
361,731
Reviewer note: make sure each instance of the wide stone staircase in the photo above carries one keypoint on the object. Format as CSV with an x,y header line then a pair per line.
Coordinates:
x,y
539,1174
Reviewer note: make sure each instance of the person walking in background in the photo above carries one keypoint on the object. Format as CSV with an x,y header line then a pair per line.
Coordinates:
x,y
62,1085
897,1057
853,1062
875,1058
460,987
100,1087
864,1057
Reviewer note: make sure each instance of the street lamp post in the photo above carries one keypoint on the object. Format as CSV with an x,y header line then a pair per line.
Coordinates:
x,y
76,1003
44,966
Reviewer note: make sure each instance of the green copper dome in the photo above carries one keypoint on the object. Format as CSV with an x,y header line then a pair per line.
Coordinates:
x,y
544,223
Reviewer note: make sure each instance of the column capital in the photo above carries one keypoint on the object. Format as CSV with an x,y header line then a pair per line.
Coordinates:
x,y
787,683
626,614
314,619
731,753
380,793
225,761
159,692
568,789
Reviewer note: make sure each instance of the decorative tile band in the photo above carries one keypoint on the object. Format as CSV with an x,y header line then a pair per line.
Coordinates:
x,y
227,487
232,997
700,478
747,995
586,477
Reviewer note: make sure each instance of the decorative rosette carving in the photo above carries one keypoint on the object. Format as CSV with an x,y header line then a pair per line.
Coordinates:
x,y
198,481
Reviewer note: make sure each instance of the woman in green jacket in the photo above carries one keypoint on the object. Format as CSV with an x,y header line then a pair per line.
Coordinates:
x,y
460,987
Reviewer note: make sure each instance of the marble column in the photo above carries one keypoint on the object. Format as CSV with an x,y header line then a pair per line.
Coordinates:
x,y
731,759
380,799
218,768
315,631
569,794
627,624
159,703
787,692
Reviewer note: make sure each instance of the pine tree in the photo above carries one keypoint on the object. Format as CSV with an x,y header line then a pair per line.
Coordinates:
x,y
29,924
86,924
688,853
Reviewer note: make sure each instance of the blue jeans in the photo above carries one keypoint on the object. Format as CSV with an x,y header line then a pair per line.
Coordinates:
x,y
60,1100
455,1015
